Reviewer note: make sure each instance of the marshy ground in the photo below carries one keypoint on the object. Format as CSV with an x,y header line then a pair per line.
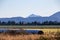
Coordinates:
x,y
49,34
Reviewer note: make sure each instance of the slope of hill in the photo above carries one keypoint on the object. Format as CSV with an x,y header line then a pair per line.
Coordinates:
x,y
32,18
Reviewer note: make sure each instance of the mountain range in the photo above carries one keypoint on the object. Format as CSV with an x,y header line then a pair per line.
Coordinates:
x,y
33,17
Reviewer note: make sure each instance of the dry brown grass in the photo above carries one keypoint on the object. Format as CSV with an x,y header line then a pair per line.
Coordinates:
x,y
18,37
49,34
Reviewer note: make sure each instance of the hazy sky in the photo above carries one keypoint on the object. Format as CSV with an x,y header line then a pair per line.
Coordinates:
x,y
13,8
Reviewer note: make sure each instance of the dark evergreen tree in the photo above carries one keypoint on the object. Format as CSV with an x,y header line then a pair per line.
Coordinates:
x,y
11,23
0,22
3,23
45,23
21,23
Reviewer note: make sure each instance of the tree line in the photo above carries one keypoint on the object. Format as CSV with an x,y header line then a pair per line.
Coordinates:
x,y
30,23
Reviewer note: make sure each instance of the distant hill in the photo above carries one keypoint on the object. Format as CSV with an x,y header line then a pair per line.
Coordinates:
x,y
32,18
33,15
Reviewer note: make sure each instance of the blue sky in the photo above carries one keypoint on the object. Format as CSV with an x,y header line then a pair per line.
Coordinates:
x,y
23,8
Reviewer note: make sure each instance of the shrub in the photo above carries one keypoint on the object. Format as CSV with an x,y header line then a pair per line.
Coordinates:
x,y
11,32
40,32
15,32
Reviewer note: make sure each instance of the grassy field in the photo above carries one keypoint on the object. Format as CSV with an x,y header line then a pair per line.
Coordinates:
x,y
50,33
44,28
50,36
37,27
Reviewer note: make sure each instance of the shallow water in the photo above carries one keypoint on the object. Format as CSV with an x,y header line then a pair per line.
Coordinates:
x,y
28,31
